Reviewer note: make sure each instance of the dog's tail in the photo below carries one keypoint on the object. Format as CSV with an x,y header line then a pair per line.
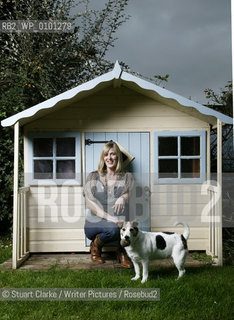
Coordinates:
x,y
186,229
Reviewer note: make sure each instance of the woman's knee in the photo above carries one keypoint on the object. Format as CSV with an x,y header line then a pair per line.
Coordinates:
x,y
111,234
108,231
90,232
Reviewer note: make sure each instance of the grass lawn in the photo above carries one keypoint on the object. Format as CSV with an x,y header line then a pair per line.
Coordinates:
x,y
203,293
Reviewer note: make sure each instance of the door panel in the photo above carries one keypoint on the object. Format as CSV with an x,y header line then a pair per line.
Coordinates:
x,y
136,143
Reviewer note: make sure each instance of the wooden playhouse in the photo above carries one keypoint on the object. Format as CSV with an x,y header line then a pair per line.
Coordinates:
x,y
168,136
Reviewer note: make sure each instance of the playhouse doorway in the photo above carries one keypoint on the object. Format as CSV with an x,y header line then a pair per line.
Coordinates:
x,y
137,144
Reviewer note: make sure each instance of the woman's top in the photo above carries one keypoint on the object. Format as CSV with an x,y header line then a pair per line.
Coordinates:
x,y
105,196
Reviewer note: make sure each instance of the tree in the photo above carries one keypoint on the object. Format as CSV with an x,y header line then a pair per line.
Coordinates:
x,y
49,63
222,102
37,66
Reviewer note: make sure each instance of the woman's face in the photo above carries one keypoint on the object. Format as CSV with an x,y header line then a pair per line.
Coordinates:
x,y
111,159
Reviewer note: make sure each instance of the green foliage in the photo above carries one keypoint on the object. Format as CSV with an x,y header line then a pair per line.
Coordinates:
x,y
161,79
157,79
37,66
46,64
203,257
5,248
222,102
228,246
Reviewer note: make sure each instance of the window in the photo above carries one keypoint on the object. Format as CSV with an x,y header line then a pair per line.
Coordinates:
x,y
54,156
180,157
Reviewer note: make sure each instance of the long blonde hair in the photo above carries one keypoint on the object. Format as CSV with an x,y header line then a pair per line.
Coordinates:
x,y
106,148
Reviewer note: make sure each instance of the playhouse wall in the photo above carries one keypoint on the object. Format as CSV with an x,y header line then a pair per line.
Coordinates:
x,y
55,226
117,109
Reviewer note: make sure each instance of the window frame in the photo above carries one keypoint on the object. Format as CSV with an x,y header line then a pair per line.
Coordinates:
x,y
54,135
202,156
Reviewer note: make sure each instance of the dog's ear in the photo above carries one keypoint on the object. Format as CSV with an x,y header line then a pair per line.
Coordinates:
x,y
120,224
135,227
135,224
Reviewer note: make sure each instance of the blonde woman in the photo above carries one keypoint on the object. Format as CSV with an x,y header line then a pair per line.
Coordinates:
x,y
107,192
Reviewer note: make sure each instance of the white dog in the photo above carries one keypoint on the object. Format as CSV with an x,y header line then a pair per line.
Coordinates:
x,y
144,246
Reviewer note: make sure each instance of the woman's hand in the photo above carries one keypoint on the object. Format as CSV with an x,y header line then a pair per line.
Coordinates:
x,y
119,205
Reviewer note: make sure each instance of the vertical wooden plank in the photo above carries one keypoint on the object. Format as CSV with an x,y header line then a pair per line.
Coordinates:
x,y
111,136
135,150
145,172
179,155
92,156
89,158
15,204
79,143
219,153
208,156
216,225
136,204
145,156
24,227
203,151
154,156
219,181
83,157
122,138
21,224
18,230
139,148
210,222
97,147
26,164
213,213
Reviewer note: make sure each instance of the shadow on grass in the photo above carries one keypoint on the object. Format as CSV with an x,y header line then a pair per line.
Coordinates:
x,y
171,272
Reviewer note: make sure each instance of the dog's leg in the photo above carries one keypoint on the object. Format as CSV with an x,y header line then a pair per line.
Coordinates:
x,y
137,270
145,265
179,260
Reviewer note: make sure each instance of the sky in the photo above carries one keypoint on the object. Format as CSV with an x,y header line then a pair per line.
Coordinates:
x,y
188,39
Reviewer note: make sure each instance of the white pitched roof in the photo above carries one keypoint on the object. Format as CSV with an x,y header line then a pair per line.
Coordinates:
x,y
145,87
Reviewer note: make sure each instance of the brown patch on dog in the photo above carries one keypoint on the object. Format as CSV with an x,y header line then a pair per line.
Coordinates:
x,y
120,224
134,225
123,242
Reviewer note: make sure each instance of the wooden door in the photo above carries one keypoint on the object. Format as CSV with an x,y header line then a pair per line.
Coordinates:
x,y
137,144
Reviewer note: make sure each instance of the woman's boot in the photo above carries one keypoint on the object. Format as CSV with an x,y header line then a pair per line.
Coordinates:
x,y
123,258
96,250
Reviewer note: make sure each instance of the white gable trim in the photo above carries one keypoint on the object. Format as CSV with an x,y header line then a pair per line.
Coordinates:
x,y
171,95
52,102
116,73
